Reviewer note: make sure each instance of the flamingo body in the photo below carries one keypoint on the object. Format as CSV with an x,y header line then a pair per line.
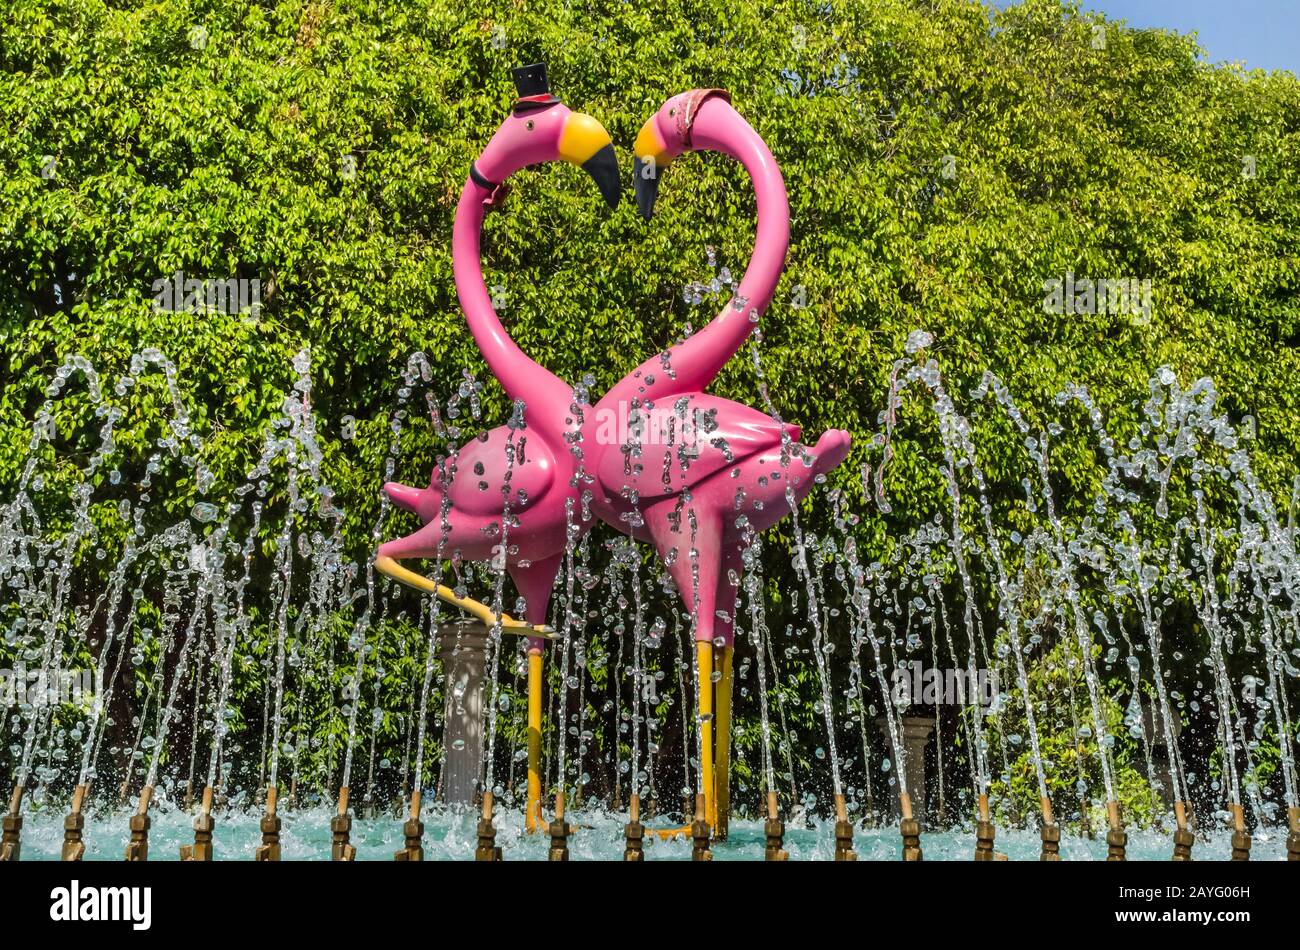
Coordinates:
x,y
477,496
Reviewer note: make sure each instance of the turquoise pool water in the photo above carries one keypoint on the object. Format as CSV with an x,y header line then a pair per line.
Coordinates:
x,y
449,835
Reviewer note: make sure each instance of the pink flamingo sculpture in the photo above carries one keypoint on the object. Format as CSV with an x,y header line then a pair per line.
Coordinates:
x,y
706,469
532,469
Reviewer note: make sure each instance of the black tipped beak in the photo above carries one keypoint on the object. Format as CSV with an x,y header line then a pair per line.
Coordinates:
x,y
603,167
646,176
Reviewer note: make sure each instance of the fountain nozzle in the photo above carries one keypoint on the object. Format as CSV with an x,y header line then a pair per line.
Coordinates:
x,y
11,827
1183,837
774,829
700,833
910,829
487,849
1116,838
137,849
634,832
201,849
269,849
341,848
843,832
985,831
413,830
74,849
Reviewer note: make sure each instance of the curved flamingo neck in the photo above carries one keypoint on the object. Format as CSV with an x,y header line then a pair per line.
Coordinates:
x,y
694,363
720,128
520,376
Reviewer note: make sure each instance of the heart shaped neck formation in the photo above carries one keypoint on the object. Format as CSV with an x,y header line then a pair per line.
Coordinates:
x,y
665,462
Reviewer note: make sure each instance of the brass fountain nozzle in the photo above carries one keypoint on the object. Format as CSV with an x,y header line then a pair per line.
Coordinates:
x,y
843,832
11,827
74,848
1049,833
1240,840
774,831
269,849
137,849
634,832
1116,838
1183,837
201,849
985,831
700,833
487,849
341,848
559,832
910,829
413,832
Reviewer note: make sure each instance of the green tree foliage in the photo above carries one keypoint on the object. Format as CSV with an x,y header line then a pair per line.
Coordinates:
x,y
943,160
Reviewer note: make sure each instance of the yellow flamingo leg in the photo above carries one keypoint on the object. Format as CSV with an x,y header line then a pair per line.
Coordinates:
x,y
533,816
723,700
704,660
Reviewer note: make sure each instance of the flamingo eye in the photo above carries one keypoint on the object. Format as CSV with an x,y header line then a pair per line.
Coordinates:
x,y
672,111
529,125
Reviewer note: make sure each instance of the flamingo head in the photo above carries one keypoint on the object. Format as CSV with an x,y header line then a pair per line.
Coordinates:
x,y
540,128
665,135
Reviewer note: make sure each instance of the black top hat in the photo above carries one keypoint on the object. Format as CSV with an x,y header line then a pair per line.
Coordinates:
x,y
531,80
534,90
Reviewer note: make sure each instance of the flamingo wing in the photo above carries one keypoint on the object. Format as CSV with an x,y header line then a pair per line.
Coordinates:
x,y
676,444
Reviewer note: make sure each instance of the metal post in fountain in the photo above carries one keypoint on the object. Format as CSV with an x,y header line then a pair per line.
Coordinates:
x,y
137,849
341,848
201,849
722,764
269,849
74,849
11,827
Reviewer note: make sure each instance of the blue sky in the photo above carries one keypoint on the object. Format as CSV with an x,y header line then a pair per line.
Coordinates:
x,y
1264,34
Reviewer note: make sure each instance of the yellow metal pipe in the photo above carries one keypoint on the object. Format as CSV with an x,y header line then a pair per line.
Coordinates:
x,y
704,660
390,567
723,756
533,815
